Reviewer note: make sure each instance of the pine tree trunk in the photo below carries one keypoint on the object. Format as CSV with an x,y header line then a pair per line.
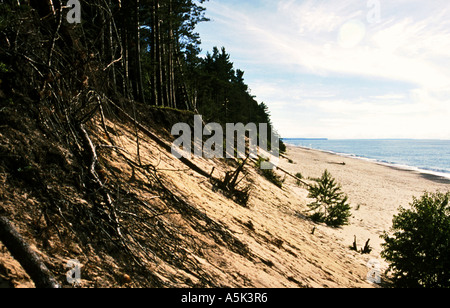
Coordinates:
x,y
111,45
171,55
154,55
159,58
140,85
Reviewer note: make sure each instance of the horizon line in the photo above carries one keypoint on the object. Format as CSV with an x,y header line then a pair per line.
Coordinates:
x,y
327,139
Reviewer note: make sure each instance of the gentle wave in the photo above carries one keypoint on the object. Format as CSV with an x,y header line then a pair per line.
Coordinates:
x,y
438,171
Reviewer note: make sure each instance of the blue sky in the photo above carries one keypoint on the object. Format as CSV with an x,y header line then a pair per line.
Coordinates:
x,y
341,69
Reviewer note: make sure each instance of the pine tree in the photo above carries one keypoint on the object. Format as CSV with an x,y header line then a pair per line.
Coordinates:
x,y
330,205
418,245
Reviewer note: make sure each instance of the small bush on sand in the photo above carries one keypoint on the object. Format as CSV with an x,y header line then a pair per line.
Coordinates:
x,y
330,205
299,176
270,175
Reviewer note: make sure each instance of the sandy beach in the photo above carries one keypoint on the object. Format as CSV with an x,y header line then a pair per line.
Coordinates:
x,y
274,226
375,191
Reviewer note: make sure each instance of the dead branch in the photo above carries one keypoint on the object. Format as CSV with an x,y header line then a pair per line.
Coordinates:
x,y
112,63
289,174
293,176
90,148
55,36
160,142
23,253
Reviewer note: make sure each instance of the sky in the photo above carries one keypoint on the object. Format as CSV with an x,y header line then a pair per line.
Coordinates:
x,y
347,69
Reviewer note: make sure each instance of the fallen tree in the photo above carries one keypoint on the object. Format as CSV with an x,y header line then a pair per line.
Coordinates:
x,y
28,258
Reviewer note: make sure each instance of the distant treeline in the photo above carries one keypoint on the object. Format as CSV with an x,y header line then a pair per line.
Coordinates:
x,y
305,139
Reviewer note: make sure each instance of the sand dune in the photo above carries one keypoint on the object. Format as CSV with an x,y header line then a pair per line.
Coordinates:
x,y
206,239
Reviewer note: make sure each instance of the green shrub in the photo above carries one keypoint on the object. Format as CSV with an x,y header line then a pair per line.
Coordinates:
x,y
419,249
3,68
299,176
282,147
331,205
270,175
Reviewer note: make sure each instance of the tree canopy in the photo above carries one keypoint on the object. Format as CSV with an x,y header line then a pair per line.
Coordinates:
x,y
147,51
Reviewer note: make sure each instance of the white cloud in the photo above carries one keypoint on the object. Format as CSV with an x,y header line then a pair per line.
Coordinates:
x,y
389,97
408,48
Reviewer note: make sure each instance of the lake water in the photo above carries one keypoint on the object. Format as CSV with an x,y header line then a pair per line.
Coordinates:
x,y
429,156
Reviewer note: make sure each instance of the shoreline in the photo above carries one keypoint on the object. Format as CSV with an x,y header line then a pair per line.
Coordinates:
x,y
437,176
376,191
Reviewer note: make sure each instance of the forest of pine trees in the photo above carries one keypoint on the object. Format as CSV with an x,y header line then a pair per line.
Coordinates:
x,y
65,87
142,50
